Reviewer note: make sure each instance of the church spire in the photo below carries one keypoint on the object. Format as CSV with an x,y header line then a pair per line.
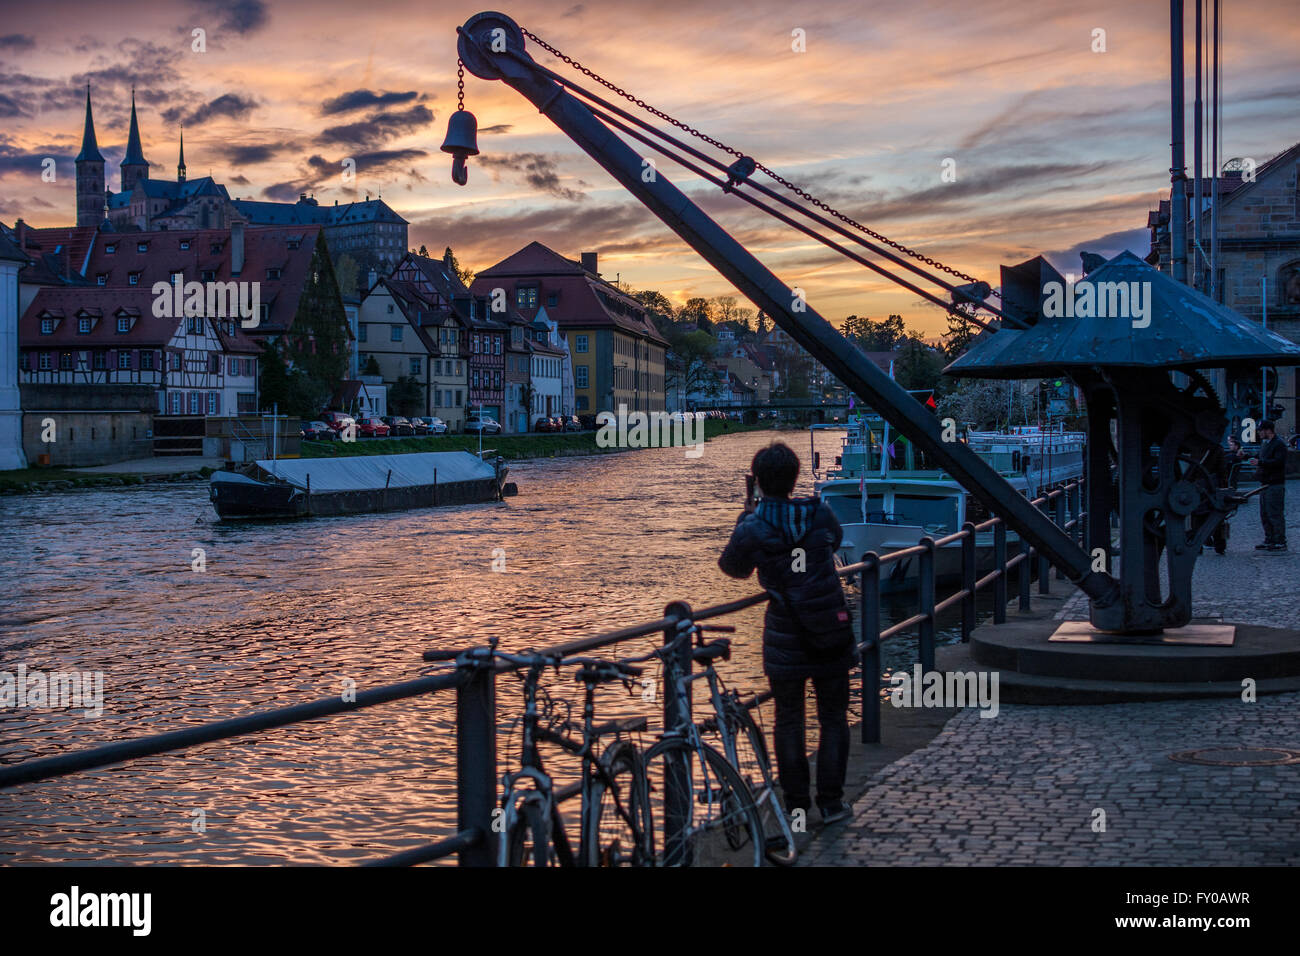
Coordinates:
x,y
89,148
134,154
180,166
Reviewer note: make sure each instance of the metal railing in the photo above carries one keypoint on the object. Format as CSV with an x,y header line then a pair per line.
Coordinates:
x,y
475,686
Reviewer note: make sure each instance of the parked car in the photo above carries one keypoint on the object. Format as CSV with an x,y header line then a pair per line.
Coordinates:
x,y
398,426
316,431
372,428
338,420
418,427
544,425
433,425
570,423
483,424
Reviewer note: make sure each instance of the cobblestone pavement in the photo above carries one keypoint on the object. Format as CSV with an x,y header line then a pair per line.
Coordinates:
x,y
1029,786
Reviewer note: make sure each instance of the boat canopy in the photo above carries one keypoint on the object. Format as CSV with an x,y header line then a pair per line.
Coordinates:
x,y
373,471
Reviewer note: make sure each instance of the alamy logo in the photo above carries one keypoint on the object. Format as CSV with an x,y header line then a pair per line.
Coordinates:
x,y
57,689
222,300
651,430
75,908
1100,300
951,689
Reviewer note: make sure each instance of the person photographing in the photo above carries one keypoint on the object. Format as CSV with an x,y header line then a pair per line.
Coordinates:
x,y
807,631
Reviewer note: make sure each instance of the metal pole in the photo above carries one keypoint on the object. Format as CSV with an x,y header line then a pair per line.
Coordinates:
x,y
968,581
810,330
1263,372
1198,161
925,589
1044,568
869,637
1178,165
677,774
1023,571
1000,562
1215,137
476,761
1058,515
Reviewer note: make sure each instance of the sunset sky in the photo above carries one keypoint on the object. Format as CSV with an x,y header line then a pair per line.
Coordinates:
x,y
1057,148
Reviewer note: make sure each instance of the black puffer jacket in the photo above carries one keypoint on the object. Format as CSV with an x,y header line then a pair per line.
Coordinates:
x,y
766,540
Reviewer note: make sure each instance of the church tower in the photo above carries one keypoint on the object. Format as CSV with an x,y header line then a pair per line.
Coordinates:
x,y
180,166
90,174
134,165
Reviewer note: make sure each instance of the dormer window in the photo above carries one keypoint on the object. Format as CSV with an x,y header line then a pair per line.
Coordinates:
x,y
47,326
110,248
185,244
216,248
83,324
273,273
142,247
209,274
101,278
133,278
124,323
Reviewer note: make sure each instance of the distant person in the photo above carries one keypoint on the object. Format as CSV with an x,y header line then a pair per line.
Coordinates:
x,y
1235,459
807,632
1271,467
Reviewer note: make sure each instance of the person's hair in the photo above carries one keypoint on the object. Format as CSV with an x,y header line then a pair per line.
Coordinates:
x,y
776,468
1234,440
1267,424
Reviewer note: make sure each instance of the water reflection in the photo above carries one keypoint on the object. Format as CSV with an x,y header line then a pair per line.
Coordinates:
x,y
102,581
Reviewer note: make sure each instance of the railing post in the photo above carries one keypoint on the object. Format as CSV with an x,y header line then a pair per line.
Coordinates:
x,y
1075,496
925,593
1000,562
1058,515
1024,571
968,578
677,775
869,638
476,761
1044,566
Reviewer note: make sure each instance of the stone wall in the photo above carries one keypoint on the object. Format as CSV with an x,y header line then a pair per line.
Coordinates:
x,y
89,425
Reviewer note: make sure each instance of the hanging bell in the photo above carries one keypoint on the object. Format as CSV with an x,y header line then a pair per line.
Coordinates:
x,y
461,142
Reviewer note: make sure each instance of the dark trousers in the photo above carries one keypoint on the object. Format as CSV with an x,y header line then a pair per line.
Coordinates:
x,y
1272,513
791,749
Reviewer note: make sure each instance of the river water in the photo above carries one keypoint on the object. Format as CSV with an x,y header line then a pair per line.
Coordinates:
x,y
104,580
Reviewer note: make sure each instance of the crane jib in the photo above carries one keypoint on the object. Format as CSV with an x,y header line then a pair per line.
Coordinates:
x,y
788,309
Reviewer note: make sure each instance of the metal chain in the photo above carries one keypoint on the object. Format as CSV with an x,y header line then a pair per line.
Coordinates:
x,y
460,84
807,197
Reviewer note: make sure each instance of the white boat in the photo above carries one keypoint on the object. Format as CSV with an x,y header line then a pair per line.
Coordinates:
x,y
909,497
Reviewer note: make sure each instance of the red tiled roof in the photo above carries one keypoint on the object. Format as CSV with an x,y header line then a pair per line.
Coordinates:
x,y
585,299
105,304
265,247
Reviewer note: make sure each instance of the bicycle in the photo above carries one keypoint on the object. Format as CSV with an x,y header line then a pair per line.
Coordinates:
x,y
615,827
707,809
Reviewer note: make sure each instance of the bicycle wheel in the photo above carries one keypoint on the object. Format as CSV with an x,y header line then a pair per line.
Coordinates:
x,y
617,830
712,820
526,840
752,762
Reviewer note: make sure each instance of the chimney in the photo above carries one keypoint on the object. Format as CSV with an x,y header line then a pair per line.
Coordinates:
x,y
589,262
236,248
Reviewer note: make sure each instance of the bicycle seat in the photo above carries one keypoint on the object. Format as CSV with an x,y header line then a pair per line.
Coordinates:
x,y
713,650
624,725
605,673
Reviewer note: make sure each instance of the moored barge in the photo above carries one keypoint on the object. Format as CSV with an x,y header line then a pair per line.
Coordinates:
x,y
315,487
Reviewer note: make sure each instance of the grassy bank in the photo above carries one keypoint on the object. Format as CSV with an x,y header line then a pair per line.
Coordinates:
x,y
511,447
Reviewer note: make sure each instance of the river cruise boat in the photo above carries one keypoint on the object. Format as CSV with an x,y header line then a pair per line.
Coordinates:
x,y
887,494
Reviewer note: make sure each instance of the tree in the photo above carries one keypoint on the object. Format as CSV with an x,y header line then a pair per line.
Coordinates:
x,y
871,336
465,275
762,322
372,367
918,365
724,308
689,363
699,310
961,332
745,316
348,270
424,252
406,397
